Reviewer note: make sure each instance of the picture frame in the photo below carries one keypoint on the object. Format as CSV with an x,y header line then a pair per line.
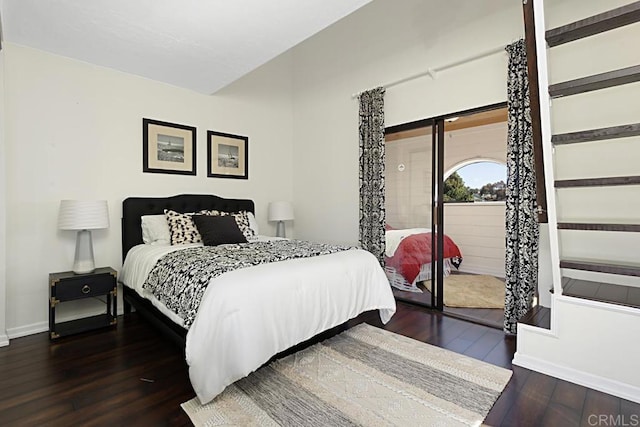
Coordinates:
x,y
168,147
227,155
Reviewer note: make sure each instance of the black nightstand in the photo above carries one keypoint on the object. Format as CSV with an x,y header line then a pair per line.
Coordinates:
x,y
68,286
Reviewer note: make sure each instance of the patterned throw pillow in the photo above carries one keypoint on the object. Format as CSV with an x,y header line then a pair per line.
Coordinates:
x,y
184,231
242,218
182,228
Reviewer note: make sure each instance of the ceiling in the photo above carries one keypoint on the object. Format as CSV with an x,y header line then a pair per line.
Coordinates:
x,y
202,45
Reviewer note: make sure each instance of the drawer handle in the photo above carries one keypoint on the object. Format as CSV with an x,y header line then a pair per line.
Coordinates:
x,y
86,289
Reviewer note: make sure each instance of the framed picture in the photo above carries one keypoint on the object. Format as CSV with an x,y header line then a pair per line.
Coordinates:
x,y
168,148
227,155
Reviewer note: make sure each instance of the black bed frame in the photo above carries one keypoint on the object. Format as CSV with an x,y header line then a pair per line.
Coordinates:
x,y
133,208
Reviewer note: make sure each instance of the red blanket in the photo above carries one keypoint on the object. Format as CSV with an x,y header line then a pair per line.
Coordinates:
x,y
415,250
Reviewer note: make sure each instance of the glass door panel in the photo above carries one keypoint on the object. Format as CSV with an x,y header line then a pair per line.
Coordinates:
x,y
408,182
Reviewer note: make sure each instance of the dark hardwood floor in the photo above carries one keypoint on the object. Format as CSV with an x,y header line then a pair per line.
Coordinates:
x,y
493,317
132,376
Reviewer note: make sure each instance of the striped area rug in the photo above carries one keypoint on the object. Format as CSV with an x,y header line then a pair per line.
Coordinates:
x,y
365,376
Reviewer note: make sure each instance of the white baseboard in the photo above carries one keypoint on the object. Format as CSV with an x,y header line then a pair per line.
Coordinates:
x,y
23,331
36,328
4,340
605,385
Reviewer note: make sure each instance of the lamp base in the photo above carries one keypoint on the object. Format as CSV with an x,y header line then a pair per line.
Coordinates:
x,y
83,262
280,232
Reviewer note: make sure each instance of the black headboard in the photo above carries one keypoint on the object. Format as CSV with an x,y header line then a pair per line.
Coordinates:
x,y
134,207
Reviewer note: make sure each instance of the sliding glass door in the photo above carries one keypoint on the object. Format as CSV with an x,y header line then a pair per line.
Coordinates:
x,y
411,239
437,219
460,272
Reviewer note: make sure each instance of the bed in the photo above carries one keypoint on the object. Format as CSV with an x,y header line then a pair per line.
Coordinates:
x,y
408,256
247,315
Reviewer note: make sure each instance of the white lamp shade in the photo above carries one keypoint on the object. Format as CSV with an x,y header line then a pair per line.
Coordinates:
x,y
280,211
83,215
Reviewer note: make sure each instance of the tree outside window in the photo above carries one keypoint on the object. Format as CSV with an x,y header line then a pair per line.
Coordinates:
x,y
481,181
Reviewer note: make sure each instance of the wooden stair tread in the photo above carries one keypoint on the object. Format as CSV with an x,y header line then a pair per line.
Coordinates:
x,y
592,226
603,292
613,132
598,182
625,269
538,316
596,24
595,82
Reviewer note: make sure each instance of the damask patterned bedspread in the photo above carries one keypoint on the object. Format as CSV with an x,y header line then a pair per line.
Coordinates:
x,y
180,278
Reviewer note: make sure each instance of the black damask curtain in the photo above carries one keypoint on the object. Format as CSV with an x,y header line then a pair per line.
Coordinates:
x,y
372,209
521,275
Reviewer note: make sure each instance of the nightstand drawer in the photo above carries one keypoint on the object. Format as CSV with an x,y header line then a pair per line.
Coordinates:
x,y
84,287
68,286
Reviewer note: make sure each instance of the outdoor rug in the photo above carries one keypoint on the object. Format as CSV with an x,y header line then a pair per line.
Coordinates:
x,y
473,291
365,376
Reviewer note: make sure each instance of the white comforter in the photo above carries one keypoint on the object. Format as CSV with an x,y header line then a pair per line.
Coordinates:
x,y
247,316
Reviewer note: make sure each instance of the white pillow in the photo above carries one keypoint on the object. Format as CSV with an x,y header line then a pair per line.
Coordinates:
x,y
155,230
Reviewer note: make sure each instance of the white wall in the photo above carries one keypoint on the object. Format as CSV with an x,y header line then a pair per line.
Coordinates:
x,y
408,182
479,231
4,339
74,130
382,42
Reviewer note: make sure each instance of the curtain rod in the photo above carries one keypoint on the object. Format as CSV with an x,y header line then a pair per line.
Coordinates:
x,y
432,72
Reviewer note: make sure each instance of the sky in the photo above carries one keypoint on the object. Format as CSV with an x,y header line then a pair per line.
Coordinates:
x,y
478,174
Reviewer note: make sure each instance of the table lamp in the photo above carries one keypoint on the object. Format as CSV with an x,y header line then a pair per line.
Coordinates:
x,y
84,216
281,212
